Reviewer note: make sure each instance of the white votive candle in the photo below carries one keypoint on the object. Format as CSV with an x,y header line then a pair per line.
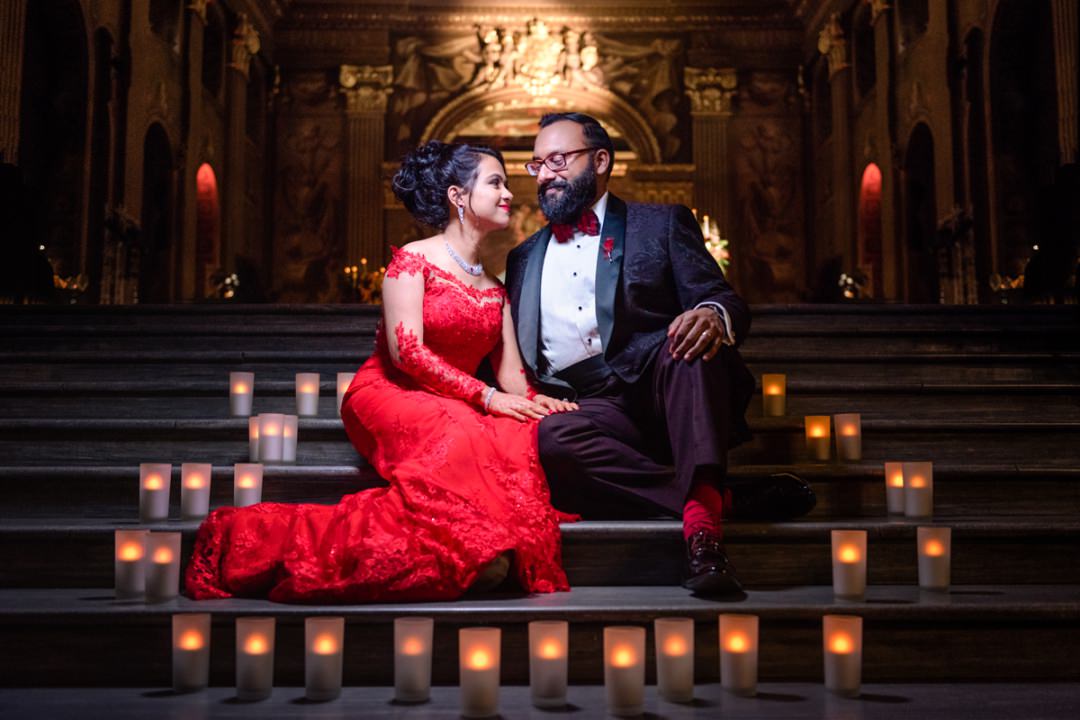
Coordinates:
x,y
344,380
935,557
817,437
191,651
271,437
675,658
155,480
479,660
163,568
549,642
842,644
894,488
774,395
247,484
254,658
129,567
849,563
918,489
253,439
195,490
241,393
848,436
325,640
412,659
307,394
289,437
624,670
739,653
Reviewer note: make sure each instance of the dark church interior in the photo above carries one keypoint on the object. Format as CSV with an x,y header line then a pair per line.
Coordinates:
x,y
193,188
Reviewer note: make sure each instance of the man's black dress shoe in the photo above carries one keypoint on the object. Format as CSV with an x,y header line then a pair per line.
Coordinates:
x,y
711,573
782,496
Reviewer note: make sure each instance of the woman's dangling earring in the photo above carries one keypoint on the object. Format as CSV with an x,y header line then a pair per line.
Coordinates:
x,y
461,215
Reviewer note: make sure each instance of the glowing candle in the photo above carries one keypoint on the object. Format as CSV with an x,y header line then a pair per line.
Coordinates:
x,y
191,651
849,563
129,567
774,395
271,440
253,439
675,658
343,382
479,660
739,653
842,645
624,670
247,484
307,394
324,638
154,482
163,570
935,556
254,658
290,435
412,659
918,489
194,490
241,393
549,641
817,436
848,436
894,488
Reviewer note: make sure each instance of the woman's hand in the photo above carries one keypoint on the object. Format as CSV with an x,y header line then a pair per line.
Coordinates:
x,y
515,406
554,405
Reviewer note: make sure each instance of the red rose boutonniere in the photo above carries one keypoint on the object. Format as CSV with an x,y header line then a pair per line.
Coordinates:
x,y
609,245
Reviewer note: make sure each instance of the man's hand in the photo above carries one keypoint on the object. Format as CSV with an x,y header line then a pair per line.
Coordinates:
x,y
696,332
554,405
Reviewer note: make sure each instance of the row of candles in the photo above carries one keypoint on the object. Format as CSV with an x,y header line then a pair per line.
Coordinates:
x,y
155,489
480,656
242,393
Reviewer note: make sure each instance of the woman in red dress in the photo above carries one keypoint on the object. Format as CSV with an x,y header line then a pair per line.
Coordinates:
x,y
465,483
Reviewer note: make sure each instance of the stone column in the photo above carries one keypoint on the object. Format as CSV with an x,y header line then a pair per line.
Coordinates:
x,y
1066,58
366,90
193,128
245,45
833,45
712,92
883,129
12,27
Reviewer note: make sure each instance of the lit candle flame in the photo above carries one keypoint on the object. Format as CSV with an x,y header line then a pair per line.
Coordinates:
x,y
623,657
194,482
246,481
675,646
849,554
849,431
917,481
934,548
817,431
412,646
773,390
130,552
307,389
737,643
550,650
325,645
273,429
240,388
191,640
163,556
897,480
256,645
153,482
841,644
479,659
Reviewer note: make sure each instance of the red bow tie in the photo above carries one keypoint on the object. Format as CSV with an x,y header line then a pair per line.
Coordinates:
x,y
587,223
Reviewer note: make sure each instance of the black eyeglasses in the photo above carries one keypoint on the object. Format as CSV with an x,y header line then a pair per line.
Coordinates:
x,y
554,162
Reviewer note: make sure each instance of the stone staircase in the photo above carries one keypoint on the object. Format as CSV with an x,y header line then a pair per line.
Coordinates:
x,y
990,394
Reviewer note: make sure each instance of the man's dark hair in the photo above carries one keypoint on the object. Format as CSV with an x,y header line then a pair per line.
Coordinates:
x,y
595,134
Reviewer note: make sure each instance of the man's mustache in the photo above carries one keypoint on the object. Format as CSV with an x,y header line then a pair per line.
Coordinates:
x,y
561,184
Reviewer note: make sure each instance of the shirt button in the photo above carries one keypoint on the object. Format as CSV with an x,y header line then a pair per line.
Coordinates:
x,y
575,274
578,247
578,307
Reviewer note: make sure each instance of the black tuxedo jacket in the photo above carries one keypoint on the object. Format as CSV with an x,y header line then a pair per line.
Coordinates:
x,y
657,269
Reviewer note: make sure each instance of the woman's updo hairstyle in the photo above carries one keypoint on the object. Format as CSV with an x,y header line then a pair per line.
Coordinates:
x,y
427,173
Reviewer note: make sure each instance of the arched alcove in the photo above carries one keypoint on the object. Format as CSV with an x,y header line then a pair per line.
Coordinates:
x,y
869,230
207,229
156,218
920,217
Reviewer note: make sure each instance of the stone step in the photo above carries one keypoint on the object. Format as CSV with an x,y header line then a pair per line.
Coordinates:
x,y
986,633
74,552
774,701
852,490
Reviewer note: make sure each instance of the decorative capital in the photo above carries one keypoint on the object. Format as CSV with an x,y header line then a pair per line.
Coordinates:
x,y
245,45
833,45
198,7
878,8
366,88
711,90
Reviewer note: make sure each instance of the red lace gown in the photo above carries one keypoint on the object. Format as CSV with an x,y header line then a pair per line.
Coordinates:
x,y
464,487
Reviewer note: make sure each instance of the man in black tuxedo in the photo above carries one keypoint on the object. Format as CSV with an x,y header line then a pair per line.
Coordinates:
x,y
620,307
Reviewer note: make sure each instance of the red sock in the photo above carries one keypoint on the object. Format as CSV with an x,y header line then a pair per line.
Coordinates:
x,y
703,510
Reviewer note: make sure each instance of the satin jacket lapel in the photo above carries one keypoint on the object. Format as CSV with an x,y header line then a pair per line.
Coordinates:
x,y
528,326
608,267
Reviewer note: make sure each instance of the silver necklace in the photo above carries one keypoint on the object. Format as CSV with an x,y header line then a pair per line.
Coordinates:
x,y
475,270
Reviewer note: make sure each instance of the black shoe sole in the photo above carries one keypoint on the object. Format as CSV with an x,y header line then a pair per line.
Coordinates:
x,y
713,584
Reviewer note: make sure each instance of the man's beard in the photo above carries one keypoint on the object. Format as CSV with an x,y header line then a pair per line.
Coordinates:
x,y
577,194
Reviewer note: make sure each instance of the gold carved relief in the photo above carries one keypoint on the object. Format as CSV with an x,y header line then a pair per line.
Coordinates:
x,y
245,45
711,90
366,88
833,45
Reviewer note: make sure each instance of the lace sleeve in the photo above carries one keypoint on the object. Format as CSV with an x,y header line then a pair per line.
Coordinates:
x,y
434,373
